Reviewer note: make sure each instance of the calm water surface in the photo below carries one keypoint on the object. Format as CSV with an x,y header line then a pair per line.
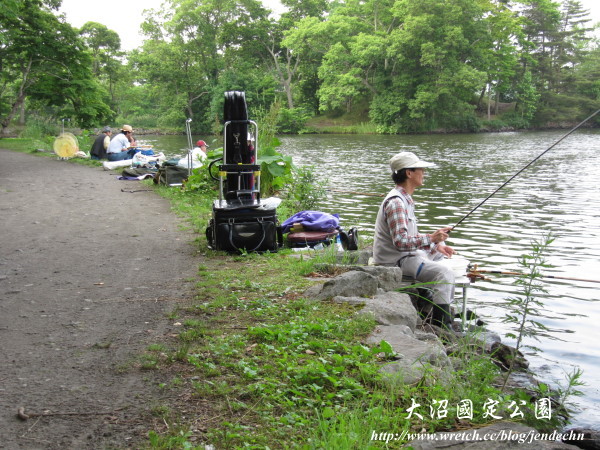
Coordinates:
x,y
558,194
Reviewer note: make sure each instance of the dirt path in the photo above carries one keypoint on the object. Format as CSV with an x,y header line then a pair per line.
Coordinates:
x,y
87,275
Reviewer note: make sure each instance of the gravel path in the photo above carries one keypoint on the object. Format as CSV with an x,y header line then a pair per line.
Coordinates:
x,y
88,273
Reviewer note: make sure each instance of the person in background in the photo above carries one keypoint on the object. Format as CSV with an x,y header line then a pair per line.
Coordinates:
x,y
132,145
203,147
131,139
250,142
198,156
251,149
117,150
101,143
397,240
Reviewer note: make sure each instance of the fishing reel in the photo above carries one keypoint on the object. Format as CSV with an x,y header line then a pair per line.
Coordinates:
x,y
473,274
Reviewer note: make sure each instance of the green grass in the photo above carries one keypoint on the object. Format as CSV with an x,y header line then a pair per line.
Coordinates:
x,y
18,144
271,368
340,126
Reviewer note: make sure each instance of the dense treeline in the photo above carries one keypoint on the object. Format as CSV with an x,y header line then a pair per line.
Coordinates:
x,y
402,65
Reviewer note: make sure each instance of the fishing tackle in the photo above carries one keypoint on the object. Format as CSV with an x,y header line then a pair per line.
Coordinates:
x,y
523,169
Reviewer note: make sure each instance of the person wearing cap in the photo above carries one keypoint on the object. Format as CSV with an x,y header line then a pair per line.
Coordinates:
x,y
117,150
197,157
101,143
398,242
199,153
203,146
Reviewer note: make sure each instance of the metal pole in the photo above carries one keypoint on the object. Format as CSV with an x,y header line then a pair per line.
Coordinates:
x,y
190,148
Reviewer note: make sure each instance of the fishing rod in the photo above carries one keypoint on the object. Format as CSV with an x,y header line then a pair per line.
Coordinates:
x,y
475,273
523,169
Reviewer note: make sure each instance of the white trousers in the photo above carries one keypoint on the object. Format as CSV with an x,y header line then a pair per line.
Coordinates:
x,y
439,278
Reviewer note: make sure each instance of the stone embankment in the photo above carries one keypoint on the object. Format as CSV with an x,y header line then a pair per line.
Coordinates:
x,y
421,348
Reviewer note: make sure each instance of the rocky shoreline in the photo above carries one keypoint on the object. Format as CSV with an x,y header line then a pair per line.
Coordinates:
x,y
421,347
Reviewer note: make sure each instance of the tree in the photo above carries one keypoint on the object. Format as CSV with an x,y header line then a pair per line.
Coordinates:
x,y
103,43
555,46
353,43
437,64
498,54
191,44
105,47
43,59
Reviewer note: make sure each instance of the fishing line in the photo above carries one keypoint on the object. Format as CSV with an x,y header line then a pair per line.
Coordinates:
x,y
519,172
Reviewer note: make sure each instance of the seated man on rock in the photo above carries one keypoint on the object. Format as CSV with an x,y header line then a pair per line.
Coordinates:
x,y
398,242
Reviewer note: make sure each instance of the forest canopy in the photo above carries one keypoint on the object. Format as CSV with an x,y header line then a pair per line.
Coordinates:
x,y
400,65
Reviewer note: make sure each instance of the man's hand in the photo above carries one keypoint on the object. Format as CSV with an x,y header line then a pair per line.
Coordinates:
x,y
440,235
446,250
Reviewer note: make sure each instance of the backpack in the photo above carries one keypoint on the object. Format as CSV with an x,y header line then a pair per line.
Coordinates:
x,y
349,239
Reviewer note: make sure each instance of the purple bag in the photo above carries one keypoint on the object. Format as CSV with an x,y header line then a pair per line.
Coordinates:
x,y
312,221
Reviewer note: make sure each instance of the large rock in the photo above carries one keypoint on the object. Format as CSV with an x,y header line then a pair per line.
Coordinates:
x,y
348,284
587,439
415,357
498,436
391,308
389,278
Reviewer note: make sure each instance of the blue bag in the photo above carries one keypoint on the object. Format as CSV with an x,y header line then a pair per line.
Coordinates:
x,y
312,221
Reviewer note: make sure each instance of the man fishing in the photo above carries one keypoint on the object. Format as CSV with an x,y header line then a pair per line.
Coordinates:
x,y
398,241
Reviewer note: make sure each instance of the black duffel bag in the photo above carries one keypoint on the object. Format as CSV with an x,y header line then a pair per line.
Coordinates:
x,y
171,175
244,230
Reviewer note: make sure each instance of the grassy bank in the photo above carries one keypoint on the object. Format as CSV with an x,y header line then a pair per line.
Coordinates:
x,y
258,365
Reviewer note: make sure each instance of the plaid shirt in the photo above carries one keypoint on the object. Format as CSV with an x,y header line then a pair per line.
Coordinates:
x,y
397,219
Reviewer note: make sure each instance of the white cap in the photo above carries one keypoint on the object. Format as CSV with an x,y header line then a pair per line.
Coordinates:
x,y
408,160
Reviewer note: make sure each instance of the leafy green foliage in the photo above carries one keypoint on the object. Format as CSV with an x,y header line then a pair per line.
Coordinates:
x,y
200,181
276,168
409,66
306,191
292,121
44,60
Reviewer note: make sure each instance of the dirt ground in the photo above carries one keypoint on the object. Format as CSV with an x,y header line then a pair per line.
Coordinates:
x,y
88,274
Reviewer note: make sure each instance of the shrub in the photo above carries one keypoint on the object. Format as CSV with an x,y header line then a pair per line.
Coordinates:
x,y
292,121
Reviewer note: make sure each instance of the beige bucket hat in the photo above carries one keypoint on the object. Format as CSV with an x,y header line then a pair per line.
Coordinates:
x,y
408,160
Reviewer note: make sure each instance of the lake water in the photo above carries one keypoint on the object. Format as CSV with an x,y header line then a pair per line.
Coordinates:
x,y
557,194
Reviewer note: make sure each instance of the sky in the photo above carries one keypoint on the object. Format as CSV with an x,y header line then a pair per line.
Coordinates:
x,y
125,17
122,16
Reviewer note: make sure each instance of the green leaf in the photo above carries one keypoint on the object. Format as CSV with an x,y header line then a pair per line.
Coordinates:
x,y
328,413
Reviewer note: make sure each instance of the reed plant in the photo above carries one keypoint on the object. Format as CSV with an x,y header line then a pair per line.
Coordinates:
x,y
523,310
523,315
